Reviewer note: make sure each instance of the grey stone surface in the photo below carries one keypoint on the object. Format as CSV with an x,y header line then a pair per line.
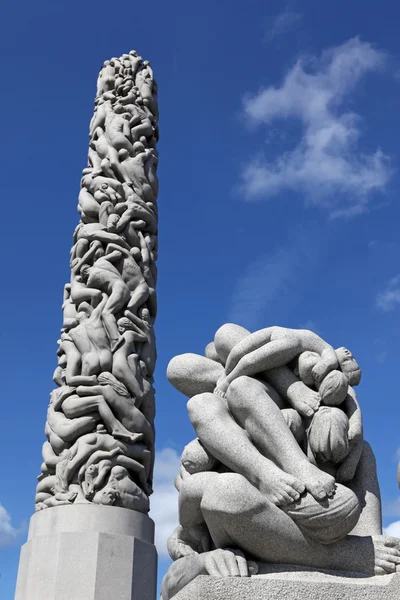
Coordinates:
x,y
100,421
293,586
88,552
279,471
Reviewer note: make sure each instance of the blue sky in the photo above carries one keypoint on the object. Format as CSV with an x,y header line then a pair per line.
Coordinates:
x,y
279,172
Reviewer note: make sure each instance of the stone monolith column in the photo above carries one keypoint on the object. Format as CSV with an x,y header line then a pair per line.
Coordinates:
x,y
91,537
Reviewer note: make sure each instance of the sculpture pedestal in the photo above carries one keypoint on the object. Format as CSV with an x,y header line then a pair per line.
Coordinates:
x,y
291,583
88,552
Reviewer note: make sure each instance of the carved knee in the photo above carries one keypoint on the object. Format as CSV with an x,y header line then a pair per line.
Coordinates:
x,y
230,494
221,494
202,408
236,394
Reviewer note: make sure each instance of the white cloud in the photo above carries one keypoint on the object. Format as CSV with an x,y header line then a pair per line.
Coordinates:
x,y
389,297
393,529
164,502
326,165
276,274
7,532
282,24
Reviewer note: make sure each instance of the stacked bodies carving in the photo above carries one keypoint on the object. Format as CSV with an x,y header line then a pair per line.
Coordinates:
x,y
100,420
279,471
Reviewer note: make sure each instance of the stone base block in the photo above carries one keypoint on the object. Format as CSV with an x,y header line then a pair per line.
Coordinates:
x,y
288,583
88,552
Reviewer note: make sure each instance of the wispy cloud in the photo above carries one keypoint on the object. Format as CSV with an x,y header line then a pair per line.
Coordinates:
x,y
282,23
270,277
7,532
164,502
389,297
309,324
327,165
393,529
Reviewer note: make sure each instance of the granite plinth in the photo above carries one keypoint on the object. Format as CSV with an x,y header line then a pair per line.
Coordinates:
x,y
88,552
279,582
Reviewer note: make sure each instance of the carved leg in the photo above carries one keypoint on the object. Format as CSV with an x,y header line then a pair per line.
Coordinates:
x,y
254,410
273,354
232,446
119,297
105,210
366,487
76,406
138,297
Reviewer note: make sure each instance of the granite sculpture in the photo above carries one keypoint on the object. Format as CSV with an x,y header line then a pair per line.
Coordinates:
x,y
100,420
279,472
91,537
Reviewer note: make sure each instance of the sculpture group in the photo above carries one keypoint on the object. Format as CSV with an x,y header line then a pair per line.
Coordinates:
x,y
279,471
278,475
99,429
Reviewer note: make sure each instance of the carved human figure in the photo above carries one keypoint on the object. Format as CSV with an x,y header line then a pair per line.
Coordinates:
x,y
112,401
69,309
128,95
274,347
103,189
125,364
145,83
106,79
134,167
122,491
74,373
99,154
136,210
141,123
97,232
133,277
117,128
79,290
105,277
147,346
61,431
91,339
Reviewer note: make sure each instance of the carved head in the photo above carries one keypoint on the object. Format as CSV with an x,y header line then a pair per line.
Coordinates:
x,y
107,496
124,324
196,459
145,315
85,272
112,222
123,154
138,147
82,316
349,365
107,378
